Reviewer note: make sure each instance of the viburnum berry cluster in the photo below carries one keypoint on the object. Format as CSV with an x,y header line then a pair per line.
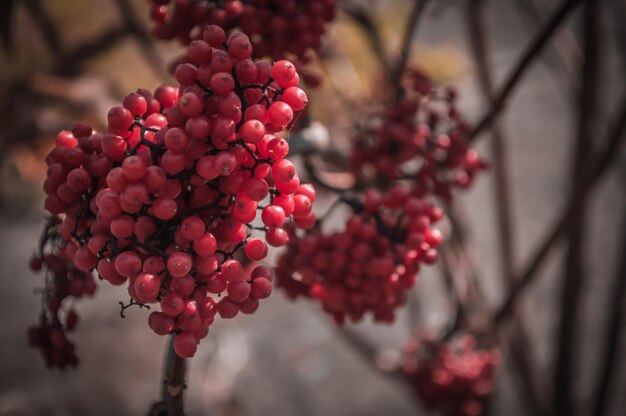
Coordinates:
x,y
63,284
278,28
452,379
369,266
416,151
166,198
421,138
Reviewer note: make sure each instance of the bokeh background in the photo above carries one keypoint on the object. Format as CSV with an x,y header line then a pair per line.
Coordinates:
x,y
72,60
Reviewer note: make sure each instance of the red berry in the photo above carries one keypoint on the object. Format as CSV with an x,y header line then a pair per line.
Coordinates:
x,y
179,264
256,249
185,344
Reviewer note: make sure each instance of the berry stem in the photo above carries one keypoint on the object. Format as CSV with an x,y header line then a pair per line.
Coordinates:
x,y
175,384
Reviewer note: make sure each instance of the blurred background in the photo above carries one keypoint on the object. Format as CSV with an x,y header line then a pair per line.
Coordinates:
x,y
64,61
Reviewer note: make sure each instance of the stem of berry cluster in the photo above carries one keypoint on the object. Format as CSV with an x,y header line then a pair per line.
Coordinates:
x,y
175,385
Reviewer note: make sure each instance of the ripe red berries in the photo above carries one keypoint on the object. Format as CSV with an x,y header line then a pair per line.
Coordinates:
x,y
452,378
400,144
175,192
368,267
292,28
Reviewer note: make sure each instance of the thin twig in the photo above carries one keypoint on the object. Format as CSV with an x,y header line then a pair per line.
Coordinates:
x,y
405,50
449,270
316,178
366,350
567,53
574,273
535,47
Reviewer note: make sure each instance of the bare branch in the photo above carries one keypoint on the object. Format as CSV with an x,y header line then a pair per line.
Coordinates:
x,y
616,311
521,352
574,273
365,21
600,167
535,47
567,53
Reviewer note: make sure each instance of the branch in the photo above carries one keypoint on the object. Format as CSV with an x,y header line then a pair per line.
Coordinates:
x,y
521,352
46,25
600,167
73,59
616,311
567,54
478,38
528,56
135,28
175,386
364,20
367,351
451,279
405,50
574,273
313,175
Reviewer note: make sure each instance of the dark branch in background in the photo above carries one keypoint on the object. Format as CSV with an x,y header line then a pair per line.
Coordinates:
x,y
365,350
46,25
405,51
73,60
461,243
566,54
600,166
535,47
460,313
520,345
517,345
136,29
502,174
616,311
361,17
69,61
7,7
574,273
311,171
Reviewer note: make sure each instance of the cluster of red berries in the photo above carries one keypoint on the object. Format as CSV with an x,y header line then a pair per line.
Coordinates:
x,y
278,28
370,265
165,199
56,349
453,380
63,282
422,138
